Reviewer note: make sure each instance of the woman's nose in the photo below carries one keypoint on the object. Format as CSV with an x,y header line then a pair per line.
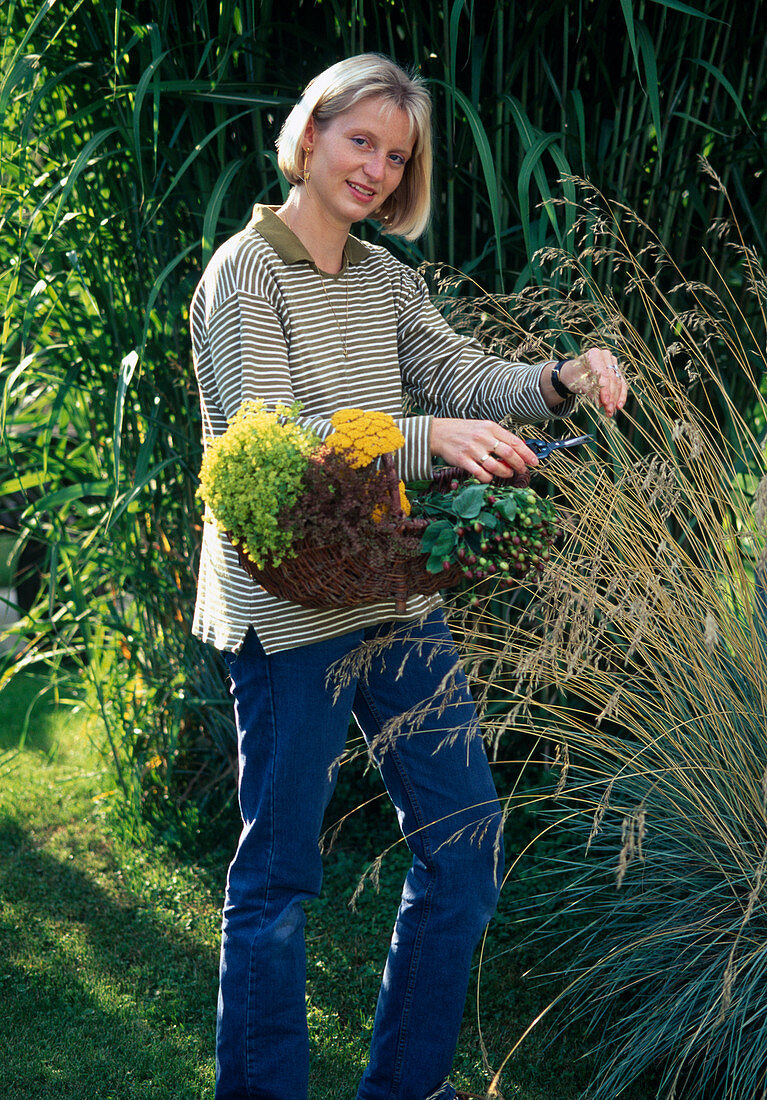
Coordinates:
x,y
375,166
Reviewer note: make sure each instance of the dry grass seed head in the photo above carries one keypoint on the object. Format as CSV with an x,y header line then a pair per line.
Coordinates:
x,y
599,813
563,755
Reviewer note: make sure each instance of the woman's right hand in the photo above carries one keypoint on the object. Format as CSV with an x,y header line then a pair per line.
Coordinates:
x,y
480,447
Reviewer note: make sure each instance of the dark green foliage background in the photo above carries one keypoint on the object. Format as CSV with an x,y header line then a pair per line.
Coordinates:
x,y
135,138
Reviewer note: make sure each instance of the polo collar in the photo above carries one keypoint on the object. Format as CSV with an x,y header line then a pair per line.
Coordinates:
x,y
287,245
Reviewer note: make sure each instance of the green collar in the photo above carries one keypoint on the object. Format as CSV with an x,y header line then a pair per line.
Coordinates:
x,y
287,245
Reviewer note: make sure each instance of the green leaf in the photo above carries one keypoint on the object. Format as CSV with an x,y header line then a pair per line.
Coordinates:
x,y
485,155
468,501
455,19
628,15
685,9
434,562
652,87
81,162
138,102
442,547
507,508
439,538
71,493
213,208
722,79
23,482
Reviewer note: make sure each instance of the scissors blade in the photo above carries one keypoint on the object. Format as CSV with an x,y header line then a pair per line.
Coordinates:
x,y
544,447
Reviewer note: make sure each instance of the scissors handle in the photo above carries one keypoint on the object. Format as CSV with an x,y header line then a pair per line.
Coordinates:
x,y
544,447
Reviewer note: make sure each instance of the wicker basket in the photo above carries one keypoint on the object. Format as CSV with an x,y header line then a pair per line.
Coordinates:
x,y
392,566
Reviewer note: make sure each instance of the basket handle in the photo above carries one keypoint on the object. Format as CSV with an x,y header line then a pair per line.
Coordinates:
x,y
387,462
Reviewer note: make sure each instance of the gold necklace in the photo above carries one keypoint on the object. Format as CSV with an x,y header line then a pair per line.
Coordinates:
x,y
343,333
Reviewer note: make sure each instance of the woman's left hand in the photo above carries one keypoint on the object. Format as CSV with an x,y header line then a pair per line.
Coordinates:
x,y
596,375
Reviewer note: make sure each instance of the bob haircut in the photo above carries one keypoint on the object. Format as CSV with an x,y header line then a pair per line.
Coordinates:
x,y
406,211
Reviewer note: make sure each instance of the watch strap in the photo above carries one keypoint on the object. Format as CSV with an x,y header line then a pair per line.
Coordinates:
x,y
557,382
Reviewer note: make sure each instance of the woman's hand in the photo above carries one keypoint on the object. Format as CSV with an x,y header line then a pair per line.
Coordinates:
x,y
595,374
481,447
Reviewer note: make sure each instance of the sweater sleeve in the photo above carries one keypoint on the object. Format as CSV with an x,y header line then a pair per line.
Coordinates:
x,y
452,375
413,462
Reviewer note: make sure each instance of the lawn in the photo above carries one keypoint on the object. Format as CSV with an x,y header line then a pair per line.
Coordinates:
x,y
109,949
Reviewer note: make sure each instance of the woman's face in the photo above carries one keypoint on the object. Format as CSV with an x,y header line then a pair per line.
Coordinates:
x,y
357,159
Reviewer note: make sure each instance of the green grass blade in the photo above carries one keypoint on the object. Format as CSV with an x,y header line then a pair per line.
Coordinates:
x,y
157,287
685,9
627,8
719,76
213,208
81,162
193,156
652,86
485,154
138,102
124,500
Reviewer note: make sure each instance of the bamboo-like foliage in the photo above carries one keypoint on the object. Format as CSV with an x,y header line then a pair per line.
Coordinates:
x,y
643,658
135,137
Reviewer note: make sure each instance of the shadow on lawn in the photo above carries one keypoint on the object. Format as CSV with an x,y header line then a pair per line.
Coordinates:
x,y
106,992
100,998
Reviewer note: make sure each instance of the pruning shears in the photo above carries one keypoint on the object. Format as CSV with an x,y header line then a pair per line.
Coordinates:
x,y
543,448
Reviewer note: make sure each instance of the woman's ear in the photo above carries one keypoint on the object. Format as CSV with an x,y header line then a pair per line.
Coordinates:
x,y
308,139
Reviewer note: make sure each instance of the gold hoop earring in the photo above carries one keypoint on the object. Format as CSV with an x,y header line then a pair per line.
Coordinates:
x,y
306,172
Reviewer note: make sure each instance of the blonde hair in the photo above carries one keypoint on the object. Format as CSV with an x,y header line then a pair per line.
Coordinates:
x,y
406,211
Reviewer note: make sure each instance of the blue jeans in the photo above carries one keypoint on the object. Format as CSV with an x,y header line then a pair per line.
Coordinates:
x,y
435,769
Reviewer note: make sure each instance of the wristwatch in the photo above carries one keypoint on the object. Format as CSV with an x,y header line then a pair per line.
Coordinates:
x,y
557,382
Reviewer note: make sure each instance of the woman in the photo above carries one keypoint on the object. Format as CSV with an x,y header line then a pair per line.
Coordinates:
x,y
294,308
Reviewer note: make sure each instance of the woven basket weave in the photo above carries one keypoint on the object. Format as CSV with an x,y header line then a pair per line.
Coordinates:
x,y
392,565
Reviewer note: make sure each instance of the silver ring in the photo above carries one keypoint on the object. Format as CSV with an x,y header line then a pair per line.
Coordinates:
x,y
484,458
615,370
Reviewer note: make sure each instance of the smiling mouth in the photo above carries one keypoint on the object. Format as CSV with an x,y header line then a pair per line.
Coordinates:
x,y
363,192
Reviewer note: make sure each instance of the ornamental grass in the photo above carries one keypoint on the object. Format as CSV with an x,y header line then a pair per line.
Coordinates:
x,y
640,666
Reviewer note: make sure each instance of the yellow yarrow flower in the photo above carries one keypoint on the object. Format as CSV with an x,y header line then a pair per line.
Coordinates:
x,y
382,509
363,435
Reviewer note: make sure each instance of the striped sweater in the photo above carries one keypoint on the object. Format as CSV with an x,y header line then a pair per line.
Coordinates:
x,y
266,323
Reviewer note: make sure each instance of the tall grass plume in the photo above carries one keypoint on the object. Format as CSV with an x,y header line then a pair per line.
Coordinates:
x,y
642,654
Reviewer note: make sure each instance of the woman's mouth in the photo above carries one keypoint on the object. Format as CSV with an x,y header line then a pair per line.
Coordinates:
x,y
361,192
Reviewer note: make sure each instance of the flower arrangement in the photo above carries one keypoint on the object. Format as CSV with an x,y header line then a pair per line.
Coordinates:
x,y
270,482
362,436
278,489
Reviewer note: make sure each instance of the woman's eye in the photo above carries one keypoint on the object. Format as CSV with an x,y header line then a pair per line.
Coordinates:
x,y
397,160
359,141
